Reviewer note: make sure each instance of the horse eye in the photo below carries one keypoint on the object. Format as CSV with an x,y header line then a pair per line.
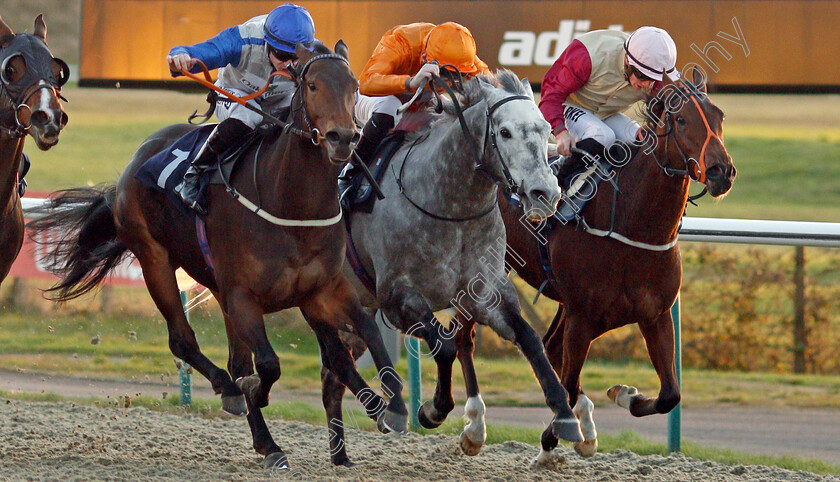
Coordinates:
x,y
680,120
505,133
311,85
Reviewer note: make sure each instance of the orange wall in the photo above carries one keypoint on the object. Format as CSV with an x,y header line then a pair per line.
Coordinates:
x,y
789,42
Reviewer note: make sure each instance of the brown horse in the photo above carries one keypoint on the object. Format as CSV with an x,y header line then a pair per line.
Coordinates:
x,y
259,266
30,82
620,263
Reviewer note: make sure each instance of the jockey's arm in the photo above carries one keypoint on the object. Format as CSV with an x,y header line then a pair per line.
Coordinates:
x,y
219,51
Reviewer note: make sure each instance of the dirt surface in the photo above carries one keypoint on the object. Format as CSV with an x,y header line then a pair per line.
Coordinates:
x,y
63,441
806,433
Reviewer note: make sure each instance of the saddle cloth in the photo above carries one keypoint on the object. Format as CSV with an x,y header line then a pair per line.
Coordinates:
x,y
166,169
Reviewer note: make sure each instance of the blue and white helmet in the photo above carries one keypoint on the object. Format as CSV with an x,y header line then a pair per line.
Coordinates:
x,y
288,24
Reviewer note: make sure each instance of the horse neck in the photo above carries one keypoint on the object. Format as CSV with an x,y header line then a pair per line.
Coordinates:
x,y
296,180
10,154
447,168
650,203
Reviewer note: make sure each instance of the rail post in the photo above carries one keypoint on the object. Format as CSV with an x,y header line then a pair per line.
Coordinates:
x,y
675,416
185,369
414,394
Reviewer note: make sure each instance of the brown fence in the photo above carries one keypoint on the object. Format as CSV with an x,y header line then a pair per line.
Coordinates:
x,y
747,45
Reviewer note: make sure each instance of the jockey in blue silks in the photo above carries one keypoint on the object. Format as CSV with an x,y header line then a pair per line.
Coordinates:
x,y
245,55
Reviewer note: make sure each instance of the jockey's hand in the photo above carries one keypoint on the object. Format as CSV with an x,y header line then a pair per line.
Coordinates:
x,y
425,72
564,141
180,62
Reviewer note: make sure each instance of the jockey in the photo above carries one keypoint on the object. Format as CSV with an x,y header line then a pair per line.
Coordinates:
x,y
405,56
246,55
597,77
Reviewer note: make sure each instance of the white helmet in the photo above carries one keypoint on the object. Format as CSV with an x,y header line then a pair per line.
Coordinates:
x,y
653,52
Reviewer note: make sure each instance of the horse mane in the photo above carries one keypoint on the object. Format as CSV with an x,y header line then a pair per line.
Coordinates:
x,y
318,48
503,79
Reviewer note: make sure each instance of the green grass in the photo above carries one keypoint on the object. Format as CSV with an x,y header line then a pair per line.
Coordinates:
x,y
60,344
306,412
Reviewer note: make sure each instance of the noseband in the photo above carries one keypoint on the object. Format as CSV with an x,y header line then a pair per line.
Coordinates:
x,y
35,78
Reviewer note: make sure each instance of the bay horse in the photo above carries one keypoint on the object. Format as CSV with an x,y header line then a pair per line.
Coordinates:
x,y
30,86
261,264
437,241
620,263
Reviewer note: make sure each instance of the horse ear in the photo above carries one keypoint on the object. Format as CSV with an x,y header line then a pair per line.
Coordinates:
x,y
41,27
528,90
303,53
4,29
699,80
341,49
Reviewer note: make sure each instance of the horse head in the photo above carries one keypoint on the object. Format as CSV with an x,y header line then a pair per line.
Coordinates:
x,y
327,89
30,82
516,142
682,111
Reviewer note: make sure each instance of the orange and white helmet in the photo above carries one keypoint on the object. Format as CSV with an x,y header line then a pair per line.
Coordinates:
x,y
451,43
653,52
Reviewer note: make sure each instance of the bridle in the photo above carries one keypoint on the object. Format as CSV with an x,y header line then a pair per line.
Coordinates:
x,y
312,133
505,180
299,77
695,169
34,79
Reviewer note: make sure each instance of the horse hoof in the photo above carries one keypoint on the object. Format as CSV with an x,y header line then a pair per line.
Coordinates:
x,y
587,448
544,459
345,462
235,405
276,461
468,446
425,420
251,387
622,395
389,422
567,429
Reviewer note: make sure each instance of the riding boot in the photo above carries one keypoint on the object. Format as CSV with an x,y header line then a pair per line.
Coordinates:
x,y
576,162
24,168
225,135
377,127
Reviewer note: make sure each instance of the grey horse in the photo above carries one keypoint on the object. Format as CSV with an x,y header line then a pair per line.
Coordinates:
x,y
437,241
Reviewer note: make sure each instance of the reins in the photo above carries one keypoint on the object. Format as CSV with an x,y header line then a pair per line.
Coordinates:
x,y
312,134
505,181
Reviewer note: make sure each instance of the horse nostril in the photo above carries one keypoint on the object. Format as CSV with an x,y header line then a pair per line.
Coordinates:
x,y
64,119
39,118
333,137
356,138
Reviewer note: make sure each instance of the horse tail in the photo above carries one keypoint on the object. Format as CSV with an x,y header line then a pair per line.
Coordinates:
x,y
76,226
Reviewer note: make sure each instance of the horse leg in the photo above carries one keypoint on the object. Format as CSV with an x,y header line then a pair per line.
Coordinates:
x,y
239,366
337,359
160,281
332,392
567,348
475,432
248,325
409,308
338,306
659,338
507,321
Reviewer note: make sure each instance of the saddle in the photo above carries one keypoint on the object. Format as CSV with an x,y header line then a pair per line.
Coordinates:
x,y
359,195
166,169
